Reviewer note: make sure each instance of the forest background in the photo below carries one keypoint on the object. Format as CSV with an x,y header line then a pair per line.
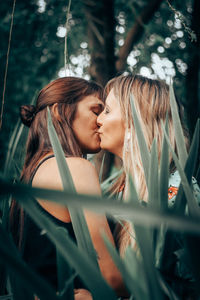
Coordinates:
x,y
157,38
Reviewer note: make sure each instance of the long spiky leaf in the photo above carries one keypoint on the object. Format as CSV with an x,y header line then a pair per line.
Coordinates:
x,y
77,217
78,259
145,156
164,171
180,141
130,211
192,204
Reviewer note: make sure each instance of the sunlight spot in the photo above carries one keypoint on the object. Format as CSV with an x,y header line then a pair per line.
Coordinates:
x,y
84,45
144,71
121,42
61,31
168,40
179,34
161,49
120,29
182,45
41,6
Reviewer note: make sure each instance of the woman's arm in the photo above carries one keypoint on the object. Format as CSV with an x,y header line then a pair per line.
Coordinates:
x,y
86,182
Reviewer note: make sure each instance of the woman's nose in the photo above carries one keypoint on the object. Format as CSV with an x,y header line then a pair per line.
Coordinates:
x,y
99,120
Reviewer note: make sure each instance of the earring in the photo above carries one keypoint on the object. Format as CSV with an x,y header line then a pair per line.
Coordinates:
x,y
127,141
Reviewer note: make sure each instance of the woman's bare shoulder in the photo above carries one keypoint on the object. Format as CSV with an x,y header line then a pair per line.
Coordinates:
x,y
82,171
79,164
84,175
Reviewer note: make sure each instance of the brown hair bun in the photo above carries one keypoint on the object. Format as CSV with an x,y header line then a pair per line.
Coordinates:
x,y
27,114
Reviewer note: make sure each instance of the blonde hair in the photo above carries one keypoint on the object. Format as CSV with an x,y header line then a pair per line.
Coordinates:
x,y
152,104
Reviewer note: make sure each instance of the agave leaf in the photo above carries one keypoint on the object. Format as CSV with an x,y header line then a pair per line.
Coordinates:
x,y
136,269
128,211
101,168
166,240
180,141
192,204
145,156
12,146
130,282
144,242
167,289
189,168
8,297
65,276
110,180
153,179
78,259
133,197
12,260
164,171
77,217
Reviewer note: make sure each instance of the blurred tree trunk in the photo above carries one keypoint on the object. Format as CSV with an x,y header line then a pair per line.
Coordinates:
x,y
193,72
101,32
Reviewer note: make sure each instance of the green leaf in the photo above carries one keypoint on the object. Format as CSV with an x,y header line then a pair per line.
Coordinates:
x,y
133,197
180,141
153,194
136,270
65,275
77,217
193,207
12,146
189,168
78,259
110,180
130,282
166,239
164,172
144,242
101,168
128,211
145,156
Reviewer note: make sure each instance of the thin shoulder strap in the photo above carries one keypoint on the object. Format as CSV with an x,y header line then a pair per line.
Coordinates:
x,y
37,167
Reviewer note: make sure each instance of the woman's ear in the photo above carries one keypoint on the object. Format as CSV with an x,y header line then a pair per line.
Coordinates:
x,y
55,112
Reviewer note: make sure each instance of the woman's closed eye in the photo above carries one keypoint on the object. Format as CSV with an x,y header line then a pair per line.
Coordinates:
x,y
97,110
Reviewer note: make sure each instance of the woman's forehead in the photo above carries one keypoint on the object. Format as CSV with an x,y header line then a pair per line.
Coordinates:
x,y
111,98
92,100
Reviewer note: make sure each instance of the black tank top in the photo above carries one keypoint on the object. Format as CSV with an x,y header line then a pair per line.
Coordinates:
x,y
38,251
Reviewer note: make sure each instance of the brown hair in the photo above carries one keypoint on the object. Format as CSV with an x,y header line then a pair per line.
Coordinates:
x,y
66,92
152,103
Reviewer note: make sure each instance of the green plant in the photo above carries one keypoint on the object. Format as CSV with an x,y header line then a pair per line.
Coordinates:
x,y
158,229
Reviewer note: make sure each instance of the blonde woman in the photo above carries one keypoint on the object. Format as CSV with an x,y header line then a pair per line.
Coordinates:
x,y
118,135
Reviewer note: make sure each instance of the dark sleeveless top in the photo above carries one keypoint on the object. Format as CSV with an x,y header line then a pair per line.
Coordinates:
x,y
38,251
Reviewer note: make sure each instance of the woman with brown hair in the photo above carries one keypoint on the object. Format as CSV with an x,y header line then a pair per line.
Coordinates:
x,y
74,104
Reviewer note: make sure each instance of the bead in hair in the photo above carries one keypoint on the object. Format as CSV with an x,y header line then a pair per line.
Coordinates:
x,y
27,114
